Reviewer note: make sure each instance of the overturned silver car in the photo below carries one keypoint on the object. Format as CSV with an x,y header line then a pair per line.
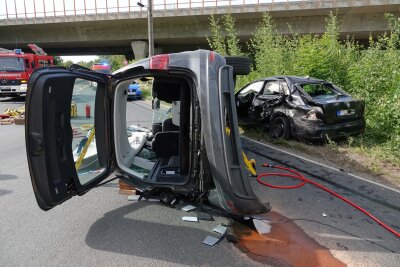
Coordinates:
x,y
188,152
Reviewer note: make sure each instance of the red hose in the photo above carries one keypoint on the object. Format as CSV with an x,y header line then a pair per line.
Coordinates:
x,y
304,180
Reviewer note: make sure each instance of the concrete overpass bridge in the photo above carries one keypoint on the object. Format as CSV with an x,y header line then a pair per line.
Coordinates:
x,y
76,27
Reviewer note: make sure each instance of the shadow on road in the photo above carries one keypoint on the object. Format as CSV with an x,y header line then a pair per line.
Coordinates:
x,y
133,230
4,192
4,177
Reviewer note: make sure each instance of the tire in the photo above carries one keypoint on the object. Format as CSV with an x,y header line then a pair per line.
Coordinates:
x,y
241,65
279,128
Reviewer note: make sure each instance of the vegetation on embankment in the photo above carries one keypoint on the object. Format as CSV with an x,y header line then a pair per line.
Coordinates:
x,y
370,73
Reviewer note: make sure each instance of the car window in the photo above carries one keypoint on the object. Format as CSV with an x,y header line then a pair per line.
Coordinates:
x,y
84,146
252,88
272,88
319,90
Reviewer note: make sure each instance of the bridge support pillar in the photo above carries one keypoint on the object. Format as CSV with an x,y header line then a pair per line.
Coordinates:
x,y
140,49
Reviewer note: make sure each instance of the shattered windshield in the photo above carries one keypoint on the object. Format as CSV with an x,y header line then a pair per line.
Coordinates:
x,y
11,64
319,90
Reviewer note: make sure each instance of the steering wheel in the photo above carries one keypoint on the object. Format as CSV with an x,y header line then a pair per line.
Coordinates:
x,y
250,96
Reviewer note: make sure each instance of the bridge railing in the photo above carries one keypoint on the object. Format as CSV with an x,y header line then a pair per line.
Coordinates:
x,y
28,9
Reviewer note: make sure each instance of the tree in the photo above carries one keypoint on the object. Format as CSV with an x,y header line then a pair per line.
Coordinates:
x,y
224,38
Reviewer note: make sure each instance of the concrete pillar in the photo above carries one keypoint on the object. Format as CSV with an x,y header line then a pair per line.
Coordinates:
x,y
140,49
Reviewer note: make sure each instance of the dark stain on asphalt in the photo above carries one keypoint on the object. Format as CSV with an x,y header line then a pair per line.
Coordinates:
x,y
4,177
4,192
367,221
285,245
340,245
299,199
395,226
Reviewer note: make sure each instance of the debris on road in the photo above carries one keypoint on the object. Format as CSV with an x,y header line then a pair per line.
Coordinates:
x,y
210,241
262,226
19,120
190,219
126,189
134,197
188,208
7,121
12,115
220,229
204,216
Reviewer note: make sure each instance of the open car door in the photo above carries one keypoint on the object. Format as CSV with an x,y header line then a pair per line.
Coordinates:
x,y
67,133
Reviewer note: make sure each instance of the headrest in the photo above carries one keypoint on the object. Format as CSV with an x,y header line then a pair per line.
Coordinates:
x,y
167,92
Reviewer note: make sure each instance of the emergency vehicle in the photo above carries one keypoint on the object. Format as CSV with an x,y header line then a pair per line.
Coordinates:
x,y
16,67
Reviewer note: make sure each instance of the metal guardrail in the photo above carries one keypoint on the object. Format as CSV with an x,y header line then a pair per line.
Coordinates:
x,y
28,9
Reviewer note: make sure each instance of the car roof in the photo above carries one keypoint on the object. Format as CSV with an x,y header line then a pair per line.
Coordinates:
x,y
295,79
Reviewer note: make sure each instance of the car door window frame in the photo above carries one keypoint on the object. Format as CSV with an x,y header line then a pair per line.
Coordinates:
x,y
244,92
42,131
262,93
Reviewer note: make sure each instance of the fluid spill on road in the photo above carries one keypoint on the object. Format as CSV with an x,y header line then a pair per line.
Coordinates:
x,y
286,245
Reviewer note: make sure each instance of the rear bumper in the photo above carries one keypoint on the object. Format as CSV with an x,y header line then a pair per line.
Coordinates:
x,y
9,90
311,131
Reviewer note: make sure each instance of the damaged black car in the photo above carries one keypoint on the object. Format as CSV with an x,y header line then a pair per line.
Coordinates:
x,y
300,107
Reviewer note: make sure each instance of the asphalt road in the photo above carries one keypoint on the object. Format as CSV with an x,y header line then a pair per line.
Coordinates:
x,y
103,228
100,228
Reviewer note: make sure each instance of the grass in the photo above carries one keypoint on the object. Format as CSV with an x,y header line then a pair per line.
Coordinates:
x,y
146,91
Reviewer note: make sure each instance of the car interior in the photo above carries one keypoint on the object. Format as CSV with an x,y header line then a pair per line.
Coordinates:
x,y
158,152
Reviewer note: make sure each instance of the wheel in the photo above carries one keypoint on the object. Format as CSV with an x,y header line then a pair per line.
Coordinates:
x,y
241,65
279,128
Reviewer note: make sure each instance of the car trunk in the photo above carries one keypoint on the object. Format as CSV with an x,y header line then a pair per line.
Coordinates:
x,y
340,108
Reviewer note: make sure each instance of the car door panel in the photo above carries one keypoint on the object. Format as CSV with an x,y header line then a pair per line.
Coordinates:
x,y
263,104
50,135
244,98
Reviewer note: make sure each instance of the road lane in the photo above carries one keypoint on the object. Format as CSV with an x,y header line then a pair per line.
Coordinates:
x,y
100,228
139,113
344,228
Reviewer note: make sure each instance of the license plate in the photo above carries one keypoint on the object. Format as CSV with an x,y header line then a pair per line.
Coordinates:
x,y
345,112
5,88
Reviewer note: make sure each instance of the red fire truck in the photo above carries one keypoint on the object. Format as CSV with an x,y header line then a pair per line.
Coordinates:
x,y
16,67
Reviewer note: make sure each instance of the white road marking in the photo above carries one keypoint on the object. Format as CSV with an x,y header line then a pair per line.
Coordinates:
x,y
323,165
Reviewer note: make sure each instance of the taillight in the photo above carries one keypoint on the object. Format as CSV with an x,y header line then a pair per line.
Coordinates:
x,y
159,62
212,56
